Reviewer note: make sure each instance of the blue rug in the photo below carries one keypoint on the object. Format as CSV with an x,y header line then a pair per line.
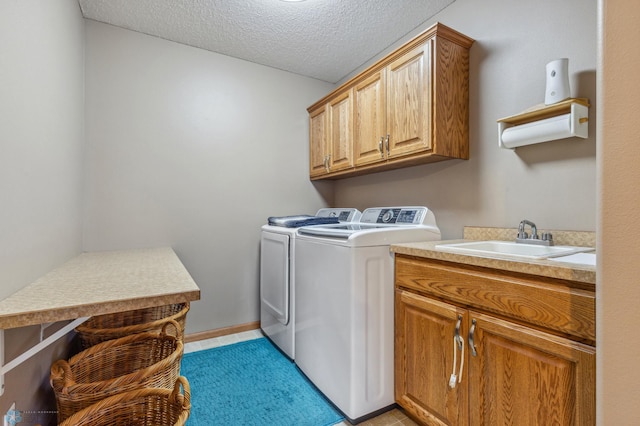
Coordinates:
x,y
252,383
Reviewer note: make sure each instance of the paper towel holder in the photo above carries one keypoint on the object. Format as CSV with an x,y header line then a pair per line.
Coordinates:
x,y
544,123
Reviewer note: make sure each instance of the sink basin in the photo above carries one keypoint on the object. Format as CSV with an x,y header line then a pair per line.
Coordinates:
x,y
578,258
508,248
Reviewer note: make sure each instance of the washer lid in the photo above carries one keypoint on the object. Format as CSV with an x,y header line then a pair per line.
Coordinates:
x,y
300,220
341,230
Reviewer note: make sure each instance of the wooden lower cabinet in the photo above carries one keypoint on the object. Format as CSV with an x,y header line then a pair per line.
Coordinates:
x,y
425,329
518,375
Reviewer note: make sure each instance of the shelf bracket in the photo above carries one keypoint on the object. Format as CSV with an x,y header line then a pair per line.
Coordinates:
x,y
5,368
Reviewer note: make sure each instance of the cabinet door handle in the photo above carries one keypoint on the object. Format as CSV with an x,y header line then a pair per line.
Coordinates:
x,y
387,144
380,146
458,345
327,159
457,337
472,344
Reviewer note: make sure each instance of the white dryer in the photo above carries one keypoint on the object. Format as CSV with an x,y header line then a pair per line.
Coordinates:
x,y
345,305
277,265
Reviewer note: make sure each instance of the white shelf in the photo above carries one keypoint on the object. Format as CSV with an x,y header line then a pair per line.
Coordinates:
x,y
544,123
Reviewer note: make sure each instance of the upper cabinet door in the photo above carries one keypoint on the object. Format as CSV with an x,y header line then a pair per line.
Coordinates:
x,y
409,102
369,119
341,132
318,142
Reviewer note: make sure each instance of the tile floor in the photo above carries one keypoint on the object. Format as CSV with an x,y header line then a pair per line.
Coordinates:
x,y
394,417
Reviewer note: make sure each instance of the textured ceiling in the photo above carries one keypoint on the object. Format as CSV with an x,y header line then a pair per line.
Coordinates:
x,y
323,39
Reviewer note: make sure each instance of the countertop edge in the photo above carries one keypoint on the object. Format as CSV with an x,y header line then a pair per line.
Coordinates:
x,y
544,268
66,313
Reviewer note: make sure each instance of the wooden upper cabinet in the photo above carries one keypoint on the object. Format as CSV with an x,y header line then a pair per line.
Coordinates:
x,y
392,109
369,119
331,135
341,132
318,137
411,107
409,102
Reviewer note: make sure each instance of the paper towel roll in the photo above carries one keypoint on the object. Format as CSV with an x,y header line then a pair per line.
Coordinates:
x,y
539,131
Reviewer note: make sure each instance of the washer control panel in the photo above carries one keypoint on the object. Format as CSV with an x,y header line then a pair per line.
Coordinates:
x,y
394,215
343,214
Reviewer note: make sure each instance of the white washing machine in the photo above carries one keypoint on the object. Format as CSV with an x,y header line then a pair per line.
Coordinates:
x,y
277,266
345,305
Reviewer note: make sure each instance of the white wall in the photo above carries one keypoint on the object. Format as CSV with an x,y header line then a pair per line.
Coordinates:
x,y
41,135
552,184
194,150
41,142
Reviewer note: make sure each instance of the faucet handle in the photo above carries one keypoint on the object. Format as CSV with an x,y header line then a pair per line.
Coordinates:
x,y
546,236
523,235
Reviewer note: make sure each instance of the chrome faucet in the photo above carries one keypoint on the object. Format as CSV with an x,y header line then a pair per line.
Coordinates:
x,y
523,237
522,234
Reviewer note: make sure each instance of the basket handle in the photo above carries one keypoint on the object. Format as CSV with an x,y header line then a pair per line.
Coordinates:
x,y
61,371
175,395
175,325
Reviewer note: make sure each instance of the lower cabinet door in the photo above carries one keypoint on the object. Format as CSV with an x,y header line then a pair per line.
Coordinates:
x,y
521,376
424,360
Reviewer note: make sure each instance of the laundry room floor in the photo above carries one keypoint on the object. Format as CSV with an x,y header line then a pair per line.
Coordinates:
x,y
394,417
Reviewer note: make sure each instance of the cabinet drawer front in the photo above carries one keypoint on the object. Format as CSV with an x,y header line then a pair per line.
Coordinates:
x,y
543,302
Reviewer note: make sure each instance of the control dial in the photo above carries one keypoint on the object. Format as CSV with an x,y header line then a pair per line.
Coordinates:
x,y
387,216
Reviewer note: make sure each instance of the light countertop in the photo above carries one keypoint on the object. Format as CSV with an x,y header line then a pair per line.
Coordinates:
x,y
99,283
541,267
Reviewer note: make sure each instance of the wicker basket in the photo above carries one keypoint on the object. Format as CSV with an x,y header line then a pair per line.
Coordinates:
x,y
150,359
142,407
113,326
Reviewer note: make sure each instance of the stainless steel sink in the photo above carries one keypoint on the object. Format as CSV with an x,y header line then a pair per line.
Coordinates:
x,y
508,248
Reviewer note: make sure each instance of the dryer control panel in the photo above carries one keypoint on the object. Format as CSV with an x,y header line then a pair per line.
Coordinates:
x,y
395,215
